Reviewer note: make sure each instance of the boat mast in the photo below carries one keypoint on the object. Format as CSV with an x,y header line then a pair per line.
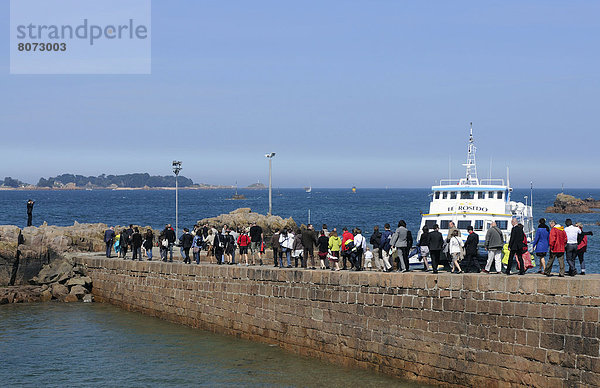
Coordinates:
x,y
471,165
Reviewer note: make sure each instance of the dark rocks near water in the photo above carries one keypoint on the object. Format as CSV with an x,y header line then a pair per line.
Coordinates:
x,y
62,280
568,204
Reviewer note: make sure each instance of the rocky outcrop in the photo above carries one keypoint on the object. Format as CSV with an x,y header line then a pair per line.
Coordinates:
x,y
62,280
24,252
244,217
568,204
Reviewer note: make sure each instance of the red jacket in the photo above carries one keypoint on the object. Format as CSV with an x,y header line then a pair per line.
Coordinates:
x,y
346,236
558,239
583,244
243,240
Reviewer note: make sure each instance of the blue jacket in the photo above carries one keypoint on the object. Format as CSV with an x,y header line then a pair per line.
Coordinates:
x,y
385,240
542,239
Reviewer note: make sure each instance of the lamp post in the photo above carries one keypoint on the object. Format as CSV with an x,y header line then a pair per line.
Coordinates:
x,y
176,168
270,157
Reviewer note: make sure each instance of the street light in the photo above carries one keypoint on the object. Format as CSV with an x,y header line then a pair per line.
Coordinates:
x,y
270,157
176,168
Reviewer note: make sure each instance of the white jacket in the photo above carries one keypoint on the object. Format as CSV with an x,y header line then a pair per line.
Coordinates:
x,y
360,242
456,245
287,241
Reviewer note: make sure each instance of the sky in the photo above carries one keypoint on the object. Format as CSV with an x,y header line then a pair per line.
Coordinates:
x,y
365,93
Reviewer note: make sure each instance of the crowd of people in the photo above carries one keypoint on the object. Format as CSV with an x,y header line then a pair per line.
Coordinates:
x,y
386,251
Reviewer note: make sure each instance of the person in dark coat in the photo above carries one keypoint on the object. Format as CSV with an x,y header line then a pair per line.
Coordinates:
x,y
171,237
375,242
186,243
276,248
219,247
309,240
30,204
136,244
436,244
109,239
123,243
471,249
149,243
516,245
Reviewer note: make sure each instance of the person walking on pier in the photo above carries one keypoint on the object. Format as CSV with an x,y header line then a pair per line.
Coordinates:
x,y
400,241
375,240
109,238
148,243
456,248
335,244
424,247
309,240
276,248
219,247
297,249
516,245
541,242
558,240
494,241
256,239
360,244
171,237
286,241
471,249
573,233
30,203
136,244
436,244
197,245
345,252
582,246
243,241
385,247
123,244
186,241
323,245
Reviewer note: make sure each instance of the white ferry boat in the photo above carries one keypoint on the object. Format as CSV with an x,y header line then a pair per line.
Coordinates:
x,y
475,202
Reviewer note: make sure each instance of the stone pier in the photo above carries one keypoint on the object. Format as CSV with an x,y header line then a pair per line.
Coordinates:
x,y
467,330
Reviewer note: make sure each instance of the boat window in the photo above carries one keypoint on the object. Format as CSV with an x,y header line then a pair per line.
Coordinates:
x,y
481,195
490,195
464,224
437,195
444,194
430,223
502,224
444,224
467,194
453,195
478,225
500,194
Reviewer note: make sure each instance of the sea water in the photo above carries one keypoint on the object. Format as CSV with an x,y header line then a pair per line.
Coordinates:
x,y
91,344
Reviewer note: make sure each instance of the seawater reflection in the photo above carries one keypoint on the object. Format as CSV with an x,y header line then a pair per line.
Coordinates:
x,y
55,344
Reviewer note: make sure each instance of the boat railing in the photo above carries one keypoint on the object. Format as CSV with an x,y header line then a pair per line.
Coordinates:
x,y
495,182
449,182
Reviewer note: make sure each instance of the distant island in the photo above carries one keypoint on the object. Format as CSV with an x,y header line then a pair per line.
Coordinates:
x,y
256,186
127,181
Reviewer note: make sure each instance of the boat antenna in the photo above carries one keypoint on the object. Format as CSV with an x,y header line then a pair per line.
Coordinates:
x,y
471,165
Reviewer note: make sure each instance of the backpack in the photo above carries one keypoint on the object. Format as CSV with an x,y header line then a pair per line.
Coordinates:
x,y
350,245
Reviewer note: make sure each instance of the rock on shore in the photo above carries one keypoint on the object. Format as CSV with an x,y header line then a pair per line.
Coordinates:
x,y
568,204
62,280
24,252
244,217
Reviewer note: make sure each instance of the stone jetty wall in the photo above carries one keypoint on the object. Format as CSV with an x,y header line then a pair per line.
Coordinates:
x,y
450,330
